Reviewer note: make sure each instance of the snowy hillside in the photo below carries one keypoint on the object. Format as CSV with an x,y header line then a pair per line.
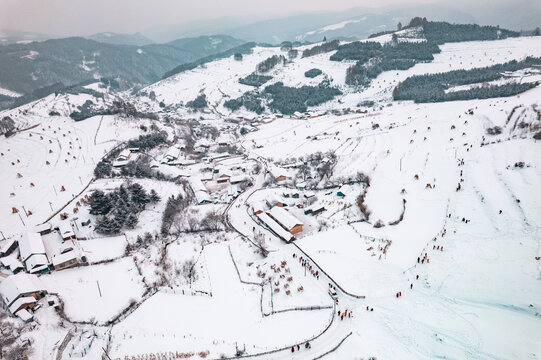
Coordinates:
x,y
201,217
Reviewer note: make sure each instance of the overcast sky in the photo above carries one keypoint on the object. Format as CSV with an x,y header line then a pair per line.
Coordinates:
x,y
84,17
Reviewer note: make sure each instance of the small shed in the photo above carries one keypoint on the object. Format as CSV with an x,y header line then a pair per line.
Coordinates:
x,y
66,231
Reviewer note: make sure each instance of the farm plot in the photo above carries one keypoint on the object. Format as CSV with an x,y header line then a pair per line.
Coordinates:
x,y
97,293
231,317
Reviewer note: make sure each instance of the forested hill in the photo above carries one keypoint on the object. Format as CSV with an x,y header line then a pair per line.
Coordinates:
x,y
441,32
26,68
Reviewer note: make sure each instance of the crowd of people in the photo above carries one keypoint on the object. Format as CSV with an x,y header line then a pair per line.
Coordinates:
x,y
308,267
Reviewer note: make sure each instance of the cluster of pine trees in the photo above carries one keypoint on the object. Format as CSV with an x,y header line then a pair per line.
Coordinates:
x,y
321,49
312,73
148,141
250,100
365,51
200,102
120,207
288,100
269,63
255,80
432,88
443,32
374,58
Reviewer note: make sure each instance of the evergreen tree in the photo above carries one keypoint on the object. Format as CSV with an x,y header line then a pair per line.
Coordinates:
x,y
100,203
103,169
131,221
139,196
154,197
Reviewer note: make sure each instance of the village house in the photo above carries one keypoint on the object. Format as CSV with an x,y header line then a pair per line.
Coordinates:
x,y
11,263
286,219
277,173
66,231
65,260
123,158
43,229
223,140
237,179
172,154
20,294
33,253
200,191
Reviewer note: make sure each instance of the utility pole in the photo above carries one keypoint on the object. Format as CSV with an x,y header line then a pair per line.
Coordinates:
x,y
21,219
105,352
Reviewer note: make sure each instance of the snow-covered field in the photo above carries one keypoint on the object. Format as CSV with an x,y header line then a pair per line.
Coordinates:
x,y
92,294
452,223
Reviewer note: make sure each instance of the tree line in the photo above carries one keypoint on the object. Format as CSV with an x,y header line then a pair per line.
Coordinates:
x,y
432,87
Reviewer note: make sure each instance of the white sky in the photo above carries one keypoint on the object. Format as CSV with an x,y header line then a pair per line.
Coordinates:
x,y
84,17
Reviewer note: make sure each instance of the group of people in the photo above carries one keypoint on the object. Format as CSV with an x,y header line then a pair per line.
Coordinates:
x,y
345,313
307,345
306,264
423,259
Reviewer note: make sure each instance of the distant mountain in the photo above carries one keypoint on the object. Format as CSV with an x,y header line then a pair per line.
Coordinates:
x,y
206,44
137,39
28,68
17,36
356,23
360,22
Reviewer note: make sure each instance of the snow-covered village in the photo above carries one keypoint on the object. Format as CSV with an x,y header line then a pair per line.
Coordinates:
x,y
321,197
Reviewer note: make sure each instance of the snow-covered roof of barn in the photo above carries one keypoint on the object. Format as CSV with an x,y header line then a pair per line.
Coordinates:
x,y
274,226
285,217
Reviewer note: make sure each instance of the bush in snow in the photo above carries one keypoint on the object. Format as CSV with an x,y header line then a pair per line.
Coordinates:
x,y
496,130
